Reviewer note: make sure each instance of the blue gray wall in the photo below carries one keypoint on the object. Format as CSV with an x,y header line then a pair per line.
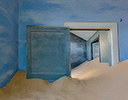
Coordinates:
x,y
8,40
78,50
56,12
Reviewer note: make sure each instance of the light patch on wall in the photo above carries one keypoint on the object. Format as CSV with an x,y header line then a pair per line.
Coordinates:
x,y
22,43
5,75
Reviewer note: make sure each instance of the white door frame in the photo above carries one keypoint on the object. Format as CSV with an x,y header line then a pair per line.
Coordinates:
x,y
112,35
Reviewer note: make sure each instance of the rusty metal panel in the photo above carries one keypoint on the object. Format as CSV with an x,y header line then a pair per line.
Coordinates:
x,y
48,52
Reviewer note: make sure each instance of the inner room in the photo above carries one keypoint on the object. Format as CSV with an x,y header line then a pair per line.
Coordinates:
x,y
86,45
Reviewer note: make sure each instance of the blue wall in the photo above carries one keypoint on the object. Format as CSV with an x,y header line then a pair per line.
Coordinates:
x,y
8,40
56,12
78,50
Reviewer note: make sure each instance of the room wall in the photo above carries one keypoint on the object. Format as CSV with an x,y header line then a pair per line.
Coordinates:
x,y
8,40
78,50
56,12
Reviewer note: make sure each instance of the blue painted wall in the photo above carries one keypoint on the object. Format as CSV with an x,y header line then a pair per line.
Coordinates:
x,y
56,12
78,50
8,40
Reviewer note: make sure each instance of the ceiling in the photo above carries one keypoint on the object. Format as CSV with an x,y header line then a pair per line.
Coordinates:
x,y
84,34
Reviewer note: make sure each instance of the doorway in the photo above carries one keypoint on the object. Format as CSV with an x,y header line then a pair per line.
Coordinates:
x,y
86,45
113,49
95,49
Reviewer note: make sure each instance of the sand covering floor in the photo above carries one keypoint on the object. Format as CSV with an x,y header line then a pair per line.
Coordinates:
x,y
91,81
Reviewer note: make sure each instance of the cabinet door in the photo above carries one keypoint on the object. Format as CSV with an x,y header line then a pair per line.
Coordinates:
x,y
48,52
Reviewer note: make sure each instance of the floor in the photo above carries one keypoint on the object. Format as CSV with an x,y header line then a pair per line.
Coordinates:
x,y
90,81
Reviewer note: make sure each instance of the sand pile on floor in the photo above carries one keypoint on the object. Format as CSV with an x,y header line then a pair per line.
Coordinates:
x,y
93,81
19,85
90,69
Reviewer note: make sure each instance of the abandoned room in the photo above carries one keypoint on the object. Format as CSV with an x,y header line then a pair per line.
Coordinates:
x,y
63,49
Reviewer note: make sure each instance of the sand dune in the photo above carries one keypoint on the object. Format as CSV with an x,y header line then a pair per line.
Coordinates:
x,y
90,81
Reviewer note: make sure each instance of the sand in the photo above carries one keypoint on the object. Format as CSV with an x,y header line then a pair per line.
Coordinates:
x,y
90,81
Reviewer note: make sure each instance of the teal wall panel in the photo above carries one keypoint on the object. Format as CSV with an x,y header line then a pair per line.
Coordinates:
x,y
48,54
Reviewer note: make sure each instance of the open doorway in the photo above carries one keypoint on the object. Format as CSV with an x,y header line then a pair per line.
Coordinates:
x,y
95,49
86,45
112,36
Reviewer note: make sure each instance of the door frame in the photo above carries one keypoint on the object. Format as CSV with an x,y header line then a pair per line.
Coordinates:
x,y
92,53
112,35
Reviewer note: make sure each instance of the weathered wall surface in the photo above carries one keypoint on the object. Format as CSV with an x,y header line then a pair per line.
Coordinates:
x,y
56,12
78,50
8,40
